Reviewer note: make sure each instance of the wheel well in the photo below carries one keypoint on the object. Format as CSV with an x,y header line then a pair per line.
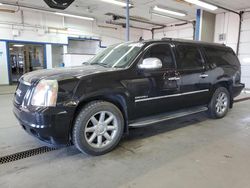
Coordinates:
x,y
225,84
117,100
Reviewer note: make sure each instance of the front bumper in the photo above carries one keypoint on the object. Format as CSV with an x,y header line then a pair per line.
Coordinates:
x,y
236,89
51,125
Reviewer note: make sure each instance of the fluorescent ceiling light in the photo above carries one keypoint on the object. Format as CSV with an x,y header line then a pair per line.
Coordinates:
x,y
75,16
246,60
202,4
119,3
18,45
161,15
156,8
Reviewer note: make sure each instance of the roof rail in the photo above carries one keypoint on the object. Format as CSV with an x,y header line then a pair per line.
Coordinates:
x,y
167,38
192,41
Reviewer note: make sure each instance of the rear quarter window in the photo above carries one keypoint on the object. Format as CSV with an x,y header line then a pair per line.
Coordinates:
x,y
221,57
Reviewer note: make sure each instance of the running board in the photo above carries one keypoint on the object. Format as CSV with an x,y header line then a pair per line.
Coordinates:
x,y
166,116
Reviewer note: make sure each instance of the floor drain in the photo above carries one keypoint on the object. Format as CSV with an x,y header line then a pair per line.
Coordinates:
x,y
25,154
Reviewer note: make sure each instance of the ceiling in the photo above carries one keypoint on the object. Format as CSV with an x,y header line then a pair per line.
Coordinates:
x,y
98,9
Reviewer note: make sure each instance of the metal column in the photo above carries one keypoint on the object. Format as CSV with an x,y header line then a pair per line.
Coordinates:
x,y
127,21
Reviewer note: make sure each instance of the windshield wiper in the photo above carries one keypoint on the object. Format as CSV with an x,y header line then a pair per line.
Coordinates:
x,y
101,64
85,63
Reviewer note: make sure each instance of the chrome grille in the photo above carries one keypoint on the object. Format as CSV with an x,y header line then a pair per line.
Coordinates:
x,y
20,92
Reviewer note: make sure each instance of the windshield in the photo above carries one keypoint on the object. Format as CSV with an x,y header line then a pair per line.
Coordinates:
x,y
118,56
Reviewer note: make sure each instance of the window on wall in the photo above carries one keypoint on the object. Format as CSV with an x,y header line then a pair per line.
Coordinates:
x,y
162,52
80,51
85,47
189,57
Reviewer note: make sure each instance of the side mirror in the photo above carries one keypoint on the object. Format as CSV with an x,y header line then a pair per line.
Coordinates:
x,y
151,63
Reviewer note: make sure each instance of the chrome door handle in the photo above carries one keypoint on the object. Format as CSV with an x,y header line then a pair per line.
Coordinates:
x,y
174,78
203,75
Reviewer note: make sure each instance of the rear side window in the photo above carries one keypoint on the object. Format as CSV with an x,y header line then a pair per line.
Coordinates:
x,y
189,57
162,52
221,57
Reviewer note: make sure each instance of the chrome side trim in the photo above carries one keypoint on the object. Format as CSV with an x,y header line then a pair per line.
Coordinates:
x,y
25,83
174,95
174,78
198,91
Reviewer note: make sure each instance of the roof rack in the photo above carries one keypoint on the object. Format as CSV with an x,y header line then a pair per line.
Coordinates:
x,y
191,41
167,38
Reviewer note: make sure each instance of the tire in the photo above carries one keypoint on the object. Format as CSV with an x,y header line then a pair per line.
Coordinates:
x,y
219,104
98,128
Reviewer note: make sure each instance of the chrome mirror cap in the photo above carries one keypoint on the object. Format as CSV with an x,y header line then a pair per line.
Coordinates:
x,y
150,63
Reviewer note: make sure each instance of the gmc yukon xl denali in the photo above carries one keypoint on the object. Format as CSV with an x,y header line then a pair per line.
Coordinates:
x,y
131,84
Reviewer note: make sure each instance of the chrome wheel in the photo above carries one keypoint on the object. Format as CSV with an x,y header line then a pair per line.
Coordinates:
x,y
221,103
101,129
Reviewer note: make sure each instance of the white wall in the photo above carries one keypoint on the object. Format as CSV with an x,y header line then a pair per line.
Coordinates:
x,y
49,28
49,56
4,79
228,23
182,32
76,59
244,51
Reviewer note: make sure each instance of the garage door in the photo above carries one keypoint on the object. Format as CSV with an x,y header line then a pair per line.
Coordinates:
x,y
244,51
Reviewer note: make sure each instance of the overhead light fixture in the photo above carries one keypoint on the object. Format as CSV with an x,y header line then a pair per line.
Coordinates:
x,y
119,3
202,4
18,45
75,16
167,11
246,60
161,15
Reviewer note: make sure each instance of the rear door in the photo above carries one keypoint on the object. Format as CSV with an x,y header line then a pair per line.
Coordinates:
x,y
194,78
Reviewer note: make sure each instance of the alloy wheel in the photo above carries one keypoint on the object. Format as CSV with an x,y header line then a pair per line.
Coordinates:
x,y
221,103
101,129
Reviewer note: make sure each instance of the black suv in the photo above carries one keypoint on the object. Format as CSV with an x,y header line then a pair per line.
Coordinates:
x,y
131,84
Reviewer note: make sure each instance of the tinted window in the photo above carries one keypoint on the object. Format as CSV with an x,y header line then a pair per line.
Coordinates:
x,y
221,56
189,57
119,55
163,52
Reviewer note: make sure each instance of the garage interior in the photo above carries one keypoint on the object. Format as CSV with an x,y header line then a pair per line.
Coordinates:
x,y
192,151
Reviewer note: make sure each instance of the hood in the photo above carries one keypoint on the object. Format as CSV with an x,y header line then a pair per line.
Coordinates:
x,y
64,73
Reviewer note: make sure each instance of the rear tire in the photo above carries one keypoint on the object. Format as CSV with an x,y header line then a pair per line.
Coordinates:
x,y
98,128
219,104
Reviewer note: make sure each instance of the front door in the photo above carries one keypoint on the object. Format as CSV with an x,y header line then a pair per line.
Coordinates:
x,y
156,91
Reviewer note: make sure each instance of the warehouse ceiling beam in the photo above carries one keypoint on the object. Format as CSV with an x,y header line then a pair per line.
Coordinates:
x,y
117,17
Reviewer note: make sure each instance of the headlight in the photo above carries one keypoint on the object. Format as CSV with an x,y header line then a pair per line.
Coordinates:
x,y
45,93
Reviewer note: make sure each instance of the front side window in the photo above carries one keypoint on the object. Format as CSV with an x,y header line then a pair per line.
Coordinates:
x,y
162,52
189,57
117,56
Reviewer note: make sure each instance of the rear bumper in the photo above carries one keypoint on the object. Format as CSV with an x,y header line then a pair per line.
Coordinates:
x,y
51,125
236,89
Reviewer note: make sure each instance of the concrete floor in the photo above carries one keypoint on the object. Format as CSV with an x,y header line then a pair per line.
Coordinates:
x,y
188,152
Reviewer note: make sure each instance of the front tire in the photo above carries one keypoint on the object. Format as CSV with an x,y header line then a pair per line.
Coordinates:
x,y
98,128
219,104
